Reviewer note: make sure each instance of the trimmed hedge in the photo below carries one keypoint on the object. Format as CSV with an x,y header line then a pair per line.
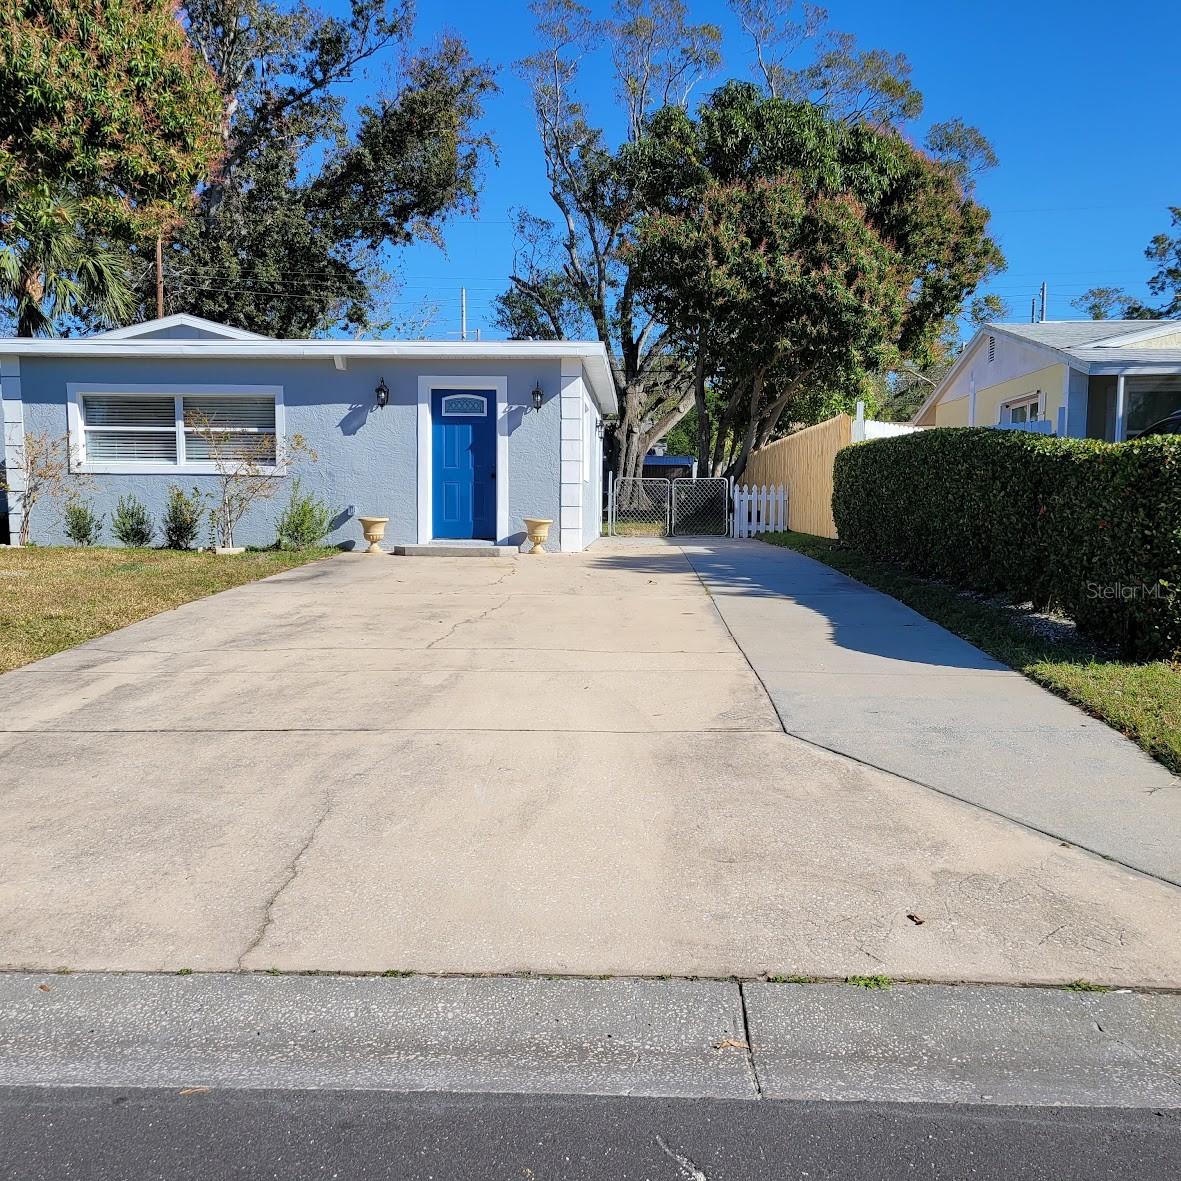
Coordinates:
x,y
1091,528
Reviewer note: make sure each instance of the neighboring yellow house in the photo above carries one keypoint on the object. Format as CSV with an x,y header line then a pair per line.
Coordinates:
x,y
1097,379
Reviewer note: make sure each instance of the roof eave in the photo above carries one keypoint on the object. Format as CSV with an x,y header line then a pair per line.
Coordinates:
x,y
592,354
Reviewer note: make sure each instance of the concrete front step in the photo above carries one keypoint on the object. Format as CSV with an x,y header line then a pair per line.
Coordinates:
x,y
442,549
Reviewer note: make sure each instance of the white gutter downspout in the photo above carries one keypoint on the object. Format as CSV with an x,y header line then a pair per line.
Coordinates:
x,y
1120,410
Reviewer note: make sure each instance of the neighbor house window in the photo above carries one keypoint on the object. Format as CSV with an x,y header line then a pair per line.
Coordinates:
x,y
1022,410
170,428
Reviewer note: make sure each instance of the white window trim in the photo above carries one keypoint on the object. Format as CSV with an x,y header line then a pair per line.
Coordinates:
x,y
426,509
1038,399
75,391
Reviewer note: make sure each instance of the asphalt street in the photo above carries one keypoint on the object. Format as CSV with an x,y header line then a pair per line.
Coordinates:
x,y
108,1134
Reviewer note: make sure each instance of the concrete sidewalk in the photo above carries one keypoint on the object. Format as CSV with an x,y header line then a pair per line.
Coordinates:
x,y
555,765
916,1043
857,672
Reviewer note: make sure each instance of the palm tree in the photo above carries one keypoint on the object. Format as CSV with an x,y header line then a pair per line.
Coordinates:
x,y
51,265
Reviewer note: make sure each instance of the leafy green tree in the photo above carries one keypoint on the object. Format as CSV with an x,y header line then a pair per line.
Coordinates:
x,y
796,254
854,84
289,238
1105,303
1165,251
52,265
599,193
105,102
963,148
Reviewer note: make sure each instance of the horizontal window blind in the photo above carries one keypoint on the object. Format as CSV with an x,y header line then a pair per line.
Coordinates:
x,y
230,427
131,446
238,414
255,446
119,410
142,428
123,429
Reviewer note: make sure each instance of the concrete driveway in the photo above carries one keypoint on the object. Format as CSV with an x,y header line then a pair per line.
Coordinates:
x,y
559,765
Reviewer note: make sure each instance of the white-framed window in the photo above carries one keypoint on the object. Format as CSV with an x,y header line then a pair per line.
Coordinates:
x,y
1023,410
166,428
464,405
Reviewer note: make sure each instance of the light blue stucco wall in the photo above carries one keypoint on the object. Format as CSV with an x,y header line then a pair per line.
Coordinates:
x,y
366,457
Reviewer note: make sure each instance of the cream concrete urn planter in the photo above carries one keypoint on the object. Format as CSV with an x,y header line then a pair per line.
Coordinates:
x,y
374,530
538,530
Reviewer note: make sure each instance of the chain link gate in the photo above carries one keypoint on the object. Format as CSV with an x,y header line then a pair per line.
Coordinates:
x,y
650,507
700,507
639,507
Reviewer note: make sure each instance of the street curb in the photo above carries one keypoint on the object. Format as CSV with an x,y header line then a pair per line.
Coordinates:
x,y
675,1038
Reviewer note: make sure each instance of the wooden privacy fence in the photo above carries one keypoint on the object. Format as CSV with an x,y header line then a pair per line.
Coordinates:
x,y
758,510
802,463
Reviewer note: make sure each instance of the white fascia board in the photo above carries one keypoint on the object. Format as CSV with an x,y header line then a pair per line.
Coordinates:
x,y
1130,368
592,354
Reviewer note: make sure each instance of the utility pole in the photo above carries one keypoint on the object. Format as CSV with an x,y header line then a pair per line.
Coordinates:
x,y
1033,309
159,278
463,313
1043,303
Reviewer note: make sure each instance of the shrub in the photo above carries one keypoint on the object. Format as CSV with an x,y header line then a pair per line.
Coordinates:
x,y
132,523
304,522
182,517
1092,528
83,525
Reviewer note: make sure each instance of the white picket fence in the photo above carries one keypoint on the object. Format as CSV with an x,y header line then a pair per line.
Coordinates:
x,y
758,510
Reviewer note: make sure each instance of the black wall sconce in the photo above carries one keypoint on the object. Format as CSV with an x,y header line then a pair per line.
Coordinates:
x,y
599,428
382,393
538,396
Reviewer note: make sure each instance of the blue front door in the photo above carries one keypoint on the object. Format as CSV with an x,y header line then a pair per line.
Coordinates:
x,y
464,463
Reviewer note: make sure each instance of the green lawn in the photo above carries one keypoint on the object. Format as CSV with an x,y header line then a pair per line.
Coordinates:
x,y
54,597
1142,701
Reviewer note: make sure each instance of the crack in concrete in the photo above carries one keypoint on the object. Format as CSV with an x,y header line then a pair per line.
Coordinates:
x,y
268,917
477,618
751,1062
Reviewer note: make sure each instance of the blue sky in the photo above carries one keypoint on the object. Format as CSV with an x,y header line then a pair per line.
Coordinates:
x,y
1079,100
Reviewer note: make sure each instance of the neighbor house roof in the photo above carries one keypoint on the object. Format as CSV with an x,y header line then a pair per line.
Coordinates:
x,y
1089,344
1065,334
220,341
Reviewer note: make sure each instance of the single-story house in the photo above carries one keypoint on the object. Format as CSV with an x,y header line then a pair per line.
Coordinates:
x,y
449,440
1093,379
